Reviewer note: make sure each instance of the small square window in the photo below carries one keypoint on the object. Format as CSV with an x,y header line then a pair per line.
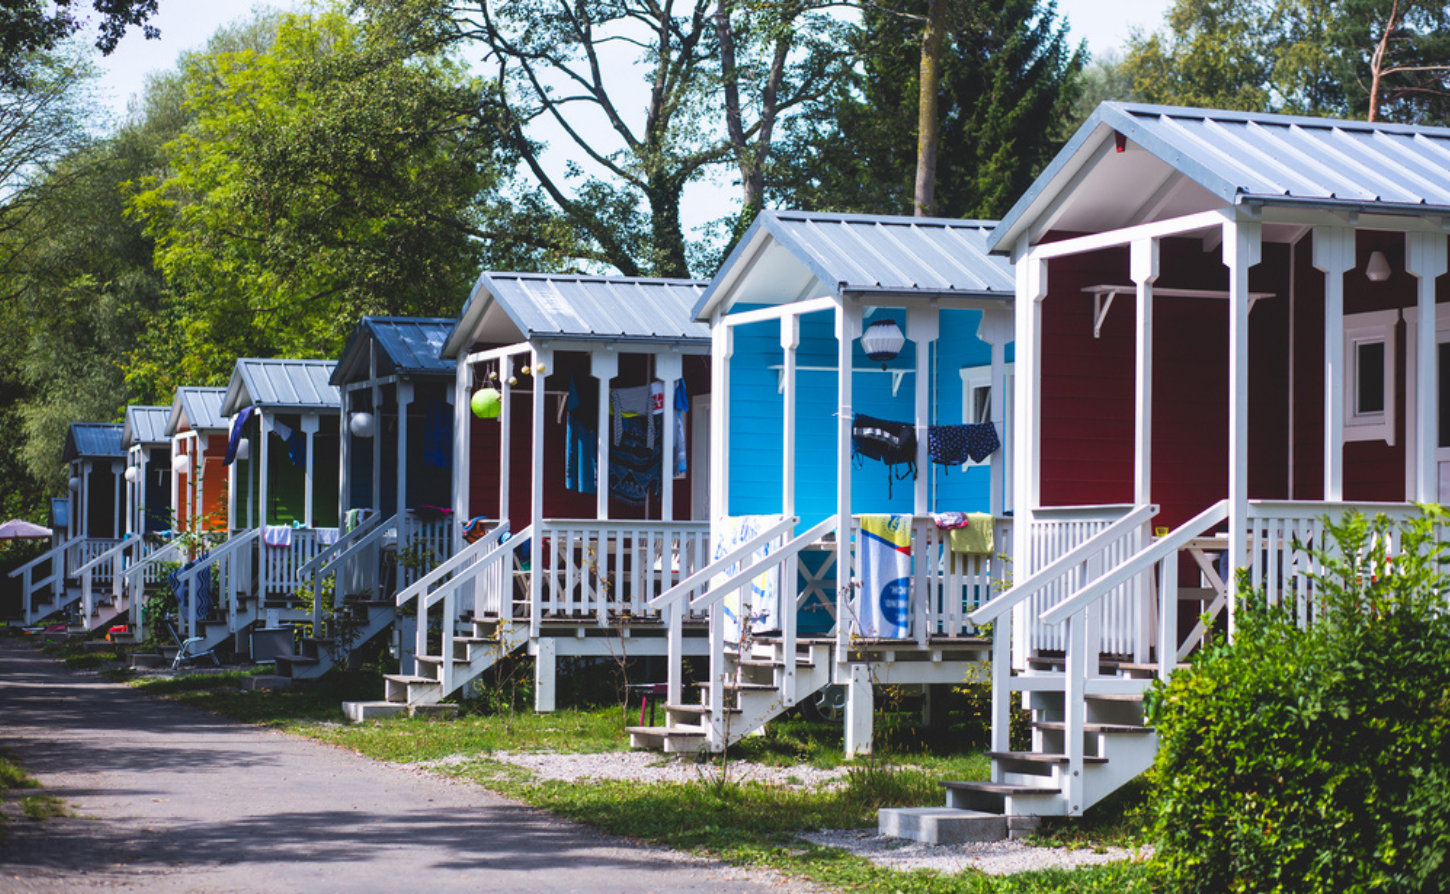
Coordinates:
x,y
1369,355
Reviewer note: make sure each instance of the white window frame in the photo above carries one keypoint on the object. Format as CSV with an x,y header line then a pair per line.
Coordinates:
x,y
976,378
1375,327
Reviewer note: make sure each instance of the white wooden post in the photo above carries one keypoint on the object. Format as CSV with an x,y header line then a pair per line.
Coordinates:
x,y
310,424
1425,260
545,674
536,488
176,495
234,509
404,391
375,444
995,328
1145,273
1241,249
923,325
344,456
1333,256
604,366
848,329
859,707
722,343
264,434
505,433
790,340
462,439
85,528
118,468
669,366
1031,274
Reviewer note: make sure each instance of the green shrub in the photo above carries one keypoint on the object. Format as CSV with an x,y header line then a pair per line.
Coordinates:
x,y
1318,760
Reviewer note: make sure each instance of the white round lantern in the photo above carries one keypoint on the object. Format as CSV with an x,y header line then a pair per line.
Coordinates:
x,y
882,341
361,425
75,484
181,463
132,474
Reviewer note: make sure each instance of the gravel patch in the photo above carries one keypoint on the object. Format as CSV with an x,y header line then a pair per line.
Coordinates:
x,y
643,766
991,857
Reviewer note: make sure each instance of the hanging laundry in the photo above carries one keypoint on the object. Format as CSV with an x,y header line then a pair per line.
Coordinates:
x,y
193,594
682,406
626,403
946,521
296,441
634,463
761,603
883,601
947,444
581,443
239,422
475,529
982,440
326,536
438,435
277,536
893,443
975,537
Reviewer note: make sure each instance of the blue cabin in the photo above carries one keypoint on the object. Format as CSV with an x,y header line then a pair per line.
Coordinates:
x,y
148,469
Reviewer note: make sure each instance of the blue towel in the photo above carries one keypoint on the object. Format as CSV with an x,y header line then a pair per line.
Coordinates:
x,y
239,422
201,605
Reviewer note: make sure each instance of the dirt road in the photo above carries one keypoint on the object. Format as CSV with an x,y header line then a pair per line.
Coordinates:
x,y
171,799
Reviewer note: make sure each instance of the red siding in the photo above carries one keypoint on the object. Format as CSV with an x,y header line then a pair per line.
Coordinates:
x,y
559,501
1087,384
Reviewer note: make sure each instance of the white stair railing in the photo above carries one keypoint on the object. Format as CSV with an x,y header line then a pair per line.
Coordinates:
x,y
674,602
485,566
712,600
428,542
148,570
348,553
55,578
233,560
96,571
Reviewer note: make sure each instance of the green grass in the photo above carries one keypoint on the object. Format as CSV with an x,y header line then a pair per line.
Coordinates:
x,y
13,776
220,692
43,807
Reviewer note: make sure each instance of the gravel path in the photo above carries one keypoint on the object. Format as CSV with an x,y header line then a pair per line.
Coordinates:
x,y
642,766
991,857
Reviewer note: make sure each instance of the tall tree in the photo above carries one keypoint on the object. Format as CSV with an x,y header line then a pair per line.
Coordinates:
x,y
1372,59
337,172
30,26
1008,77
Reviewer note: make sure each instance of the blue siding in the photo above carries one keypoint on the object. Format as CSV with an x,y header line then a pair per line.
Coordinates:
x,y
756,406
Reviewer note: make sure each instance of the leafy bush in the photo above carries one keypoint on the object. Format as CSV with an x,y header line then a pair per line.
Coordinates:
x,y
1318,760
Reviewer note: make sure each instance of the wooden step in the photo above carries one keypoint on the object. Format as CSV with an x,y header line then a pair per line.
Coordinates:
x,y
1040,758
770,662
732,686
408,680
677,732
991,797
1113,697
697,709
1001,788
1094,727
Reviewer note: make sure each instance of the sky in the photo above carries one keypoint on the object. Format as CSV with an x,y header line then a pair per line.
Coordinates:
x,y
186,25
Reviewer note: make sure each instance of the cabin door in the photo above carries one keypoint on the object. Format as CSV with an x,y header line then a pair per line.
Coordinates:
x,y
700,457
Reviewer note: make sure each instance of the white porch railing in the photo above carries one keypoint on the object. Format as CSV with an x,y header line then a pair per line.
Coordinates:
x,y
947,586
607,570
108,567
281,566
423,544
54,578
355,558
84,551
149,569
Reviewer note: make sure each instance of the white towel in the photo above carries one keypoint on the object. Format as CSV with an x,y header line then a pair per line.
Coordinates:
x,y
762,597
326,536
883,605
278,536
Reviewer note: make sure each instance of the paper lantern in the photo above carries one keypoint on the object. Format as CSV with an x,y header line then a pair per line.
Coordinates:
x,y
361,425
1378,268
487,403
75,484
882,341
133,474
181,463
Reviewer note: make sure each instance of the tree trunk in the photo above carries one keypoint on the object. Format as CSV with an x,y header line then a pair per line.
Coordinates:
x,y
667,236
928,125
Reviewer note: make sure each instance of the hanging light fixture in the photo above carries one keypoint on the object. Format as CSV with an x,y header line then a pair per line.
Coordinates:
x,y
882,341
1378,268
181,463
132,474
487,403
361,425
75,485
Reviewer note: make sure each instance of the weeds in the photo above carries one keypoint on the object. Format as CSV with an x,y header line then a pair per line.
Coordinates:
x,y
43,807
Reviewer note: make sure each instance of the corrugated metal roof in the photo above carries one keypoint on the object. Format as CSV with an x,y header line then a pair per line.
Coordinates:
x,y
202,407
282,384
1273,159
406,345
87,439
585,308
144,425
876,253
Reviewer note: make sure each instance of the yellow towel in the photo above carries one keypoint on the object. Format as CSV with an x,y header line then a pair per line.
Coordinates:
x,y
976,537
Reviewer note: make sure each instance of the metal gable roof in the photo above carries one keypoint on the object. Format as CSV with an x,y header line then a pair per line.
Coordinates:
x,y
877,253
144,425
584,308
412,345
202,408
93,439
1271,159
282,384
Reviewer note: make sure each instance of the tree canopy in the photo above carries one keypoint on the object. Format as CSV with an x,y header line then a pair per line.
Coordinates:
x,y
28,27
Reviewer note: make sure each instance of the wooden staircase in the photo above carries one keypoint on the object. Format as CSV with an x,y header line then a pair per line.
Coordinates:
x,y
762,681
492,640
360,618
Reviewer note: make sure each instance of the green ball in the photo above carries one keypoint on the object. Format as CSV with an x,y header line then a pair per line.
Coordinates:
x,y
486,403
